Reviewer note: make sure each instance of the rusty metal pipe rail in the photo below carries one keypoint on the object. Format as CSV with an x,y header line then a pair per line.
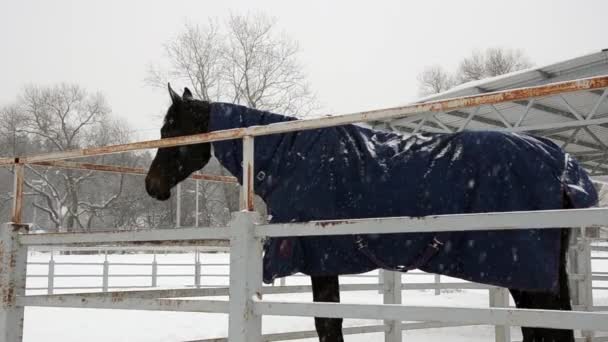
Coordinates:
x,y
126,170
68,165
585,84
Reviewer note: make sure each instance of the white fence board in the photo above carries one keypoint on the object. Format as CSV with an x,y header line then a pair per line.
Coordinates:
x,y
508,317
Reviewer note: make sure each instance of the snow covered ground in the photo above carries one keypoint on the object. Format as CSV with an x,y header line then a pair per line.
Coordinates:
x,y
94,325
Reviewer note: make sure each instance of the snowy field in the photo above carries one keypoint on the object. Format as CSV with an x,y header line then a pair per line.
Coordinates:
x,y
94,325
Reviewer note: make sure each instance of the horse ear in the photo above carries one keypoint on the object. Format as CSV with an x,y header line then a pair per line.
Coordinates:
x,y
187,94
174,97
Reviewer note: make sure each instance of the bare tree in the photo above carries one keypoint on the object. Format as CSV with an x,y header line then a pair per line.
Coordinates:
x,y
12,141
494,62
195,57
471,68
479,65
262,69
60,118
245,61
433,80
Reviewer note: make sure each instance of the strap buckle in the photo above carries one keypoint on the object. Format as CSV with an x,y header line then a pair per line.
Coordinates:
x,y
435,243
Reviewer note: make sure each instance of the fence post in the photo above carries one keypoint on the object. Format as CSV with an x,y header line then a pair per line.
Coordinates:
x,y
437,282
380,281
196,203
106,273
245,278
13,262
499,298
585,288
572,264
178,205
50,287
154,272
247,191
392,295
197,269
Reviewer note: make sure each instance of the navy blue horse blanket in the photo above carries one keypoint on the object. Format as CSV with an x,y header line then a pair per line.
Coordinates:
x,y
350,172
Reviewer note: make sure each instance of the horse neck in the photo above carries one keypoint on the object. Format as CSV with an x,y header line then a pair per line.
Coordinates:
x,y
230,153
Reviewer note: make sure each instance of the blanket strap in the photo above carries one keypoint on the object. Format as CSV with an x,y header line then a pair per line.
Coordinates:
x,y
429,252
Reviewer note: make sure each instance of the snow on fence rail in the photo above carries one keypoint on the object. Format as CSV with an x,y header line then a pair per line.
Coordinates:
x,y
245,234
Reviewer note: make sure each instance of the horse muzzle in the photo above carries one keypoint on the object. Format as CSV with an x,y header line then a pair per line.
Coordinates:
x,y
156,189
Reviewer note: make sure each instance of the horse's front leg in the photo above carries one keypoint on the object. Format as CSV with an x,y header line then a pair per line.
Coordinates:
x,y
327,289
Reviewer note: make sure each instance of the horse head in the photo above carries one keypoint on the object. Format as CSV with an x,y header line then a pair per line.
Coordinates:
x,y
171,165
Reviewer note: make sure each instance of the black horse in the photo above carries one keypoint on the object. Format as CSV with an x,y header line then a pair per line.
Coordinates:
x,y
354,172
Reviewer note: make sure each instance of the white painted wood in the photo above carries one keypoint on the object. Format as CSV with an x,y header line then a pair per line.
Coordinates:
x,y
196,203
244,325
540,219
499,298
585,290
50,287
154,275
495,316
223,248
178,234
437,280
392,295
124,302
246,199
197,269
13,261
178,205
38,300
105,275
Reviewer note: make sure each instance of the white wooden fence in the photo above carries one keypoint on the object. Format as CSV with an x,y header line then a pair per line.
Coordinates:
x,y
193,267
248,240
151,270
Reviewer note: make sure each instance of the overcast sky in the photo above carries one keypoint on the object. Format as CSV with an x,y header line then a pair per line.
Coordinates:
x,y
358,54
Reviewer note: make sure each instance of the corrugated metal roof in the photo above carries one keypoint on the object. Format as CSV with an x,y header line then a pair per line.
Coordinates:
x,y
580,67
560,118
